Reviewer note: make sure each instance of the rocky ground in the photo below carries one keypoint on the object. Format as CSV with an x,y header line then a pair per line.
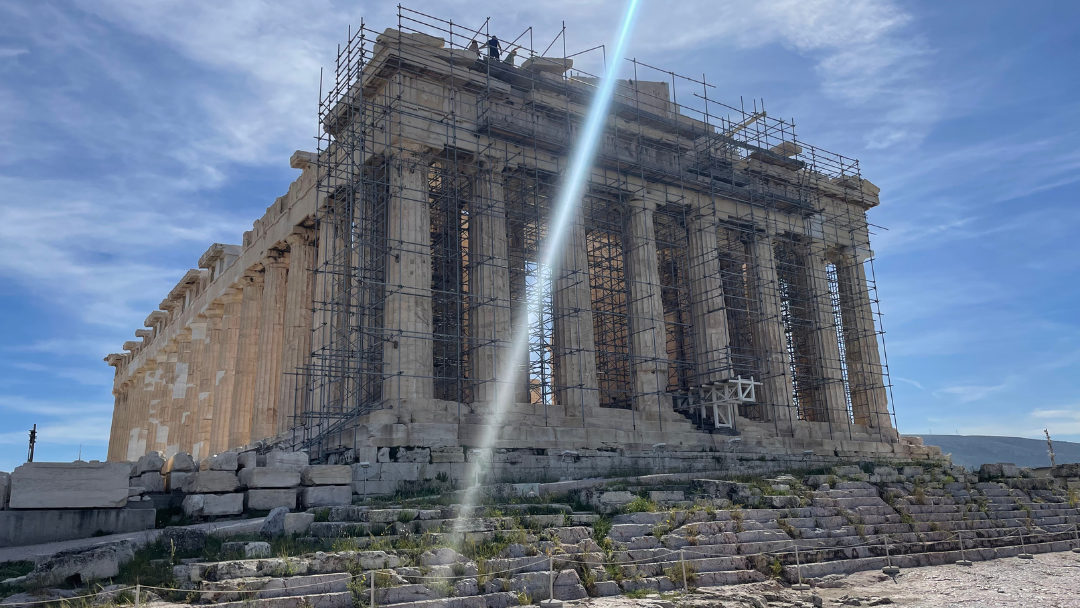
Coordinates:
x,y
1050,580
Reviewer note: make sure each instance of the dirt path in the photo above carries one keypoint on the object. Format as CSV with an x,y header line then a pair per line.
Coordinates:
x,y
1051,580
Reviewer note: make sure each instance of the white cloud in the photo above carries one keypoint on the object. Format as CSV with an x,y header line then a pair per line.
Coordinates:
x,y
967,393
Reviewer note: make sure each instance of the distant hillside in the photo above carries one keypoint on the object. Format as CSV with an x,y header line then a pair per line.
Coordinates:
x,y
974,450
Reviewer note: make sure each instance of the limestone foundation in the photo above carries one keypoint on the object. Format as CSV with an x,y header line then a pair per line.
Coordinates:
x,y
715,292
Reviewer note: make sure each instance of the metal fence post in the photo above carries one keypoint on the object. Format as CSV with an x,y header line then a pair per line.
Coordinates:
x,y
682,559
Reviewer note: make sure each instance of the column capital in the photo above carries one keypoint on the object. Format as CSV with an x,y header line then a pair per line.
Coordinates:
x,y
275,258
300,236
412,155
253,275
638,201
492,164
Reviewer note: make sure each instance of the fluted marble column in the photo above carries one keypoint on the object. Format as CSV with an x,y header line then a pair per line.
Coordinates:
x,y
489,317
165,404
825,337
180,395
243,398
648,335
202,435
712,344
271,337
770,337
869,401
407,355
225,378
576,386
117,431
296,348
519,306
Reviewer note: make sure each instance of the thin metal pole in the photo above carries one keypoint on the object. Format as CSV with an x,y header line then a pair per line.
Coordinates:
x,y
138,590
1023,549
800,586
798,566
682,558
963,558
551,577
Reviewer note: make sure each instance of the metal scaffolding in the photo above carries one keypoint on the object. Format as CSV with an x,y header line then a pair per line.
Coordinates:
x,y
801,318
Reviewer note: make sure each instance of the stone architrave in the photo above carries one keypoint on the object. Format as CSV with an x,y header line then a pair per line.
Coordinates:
x,y
210,505
489,285
70,485
769,335
407,355
247,357
271,336
263,477
211,481
296,348
711,339
648,341
266,500
576,385
225,461
326,496
326,475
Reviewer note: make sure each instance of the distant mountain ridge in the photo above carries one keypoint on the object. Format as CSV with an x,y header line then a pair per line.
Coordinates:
x,y
974,450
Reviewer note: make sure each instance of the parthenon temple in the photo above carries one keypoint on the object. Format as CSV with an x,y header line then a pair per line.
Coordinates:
x,y
714,292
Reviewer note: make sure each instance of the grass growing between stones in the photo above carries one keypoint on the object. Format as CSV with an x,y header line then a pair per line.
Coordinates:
x,y
640,504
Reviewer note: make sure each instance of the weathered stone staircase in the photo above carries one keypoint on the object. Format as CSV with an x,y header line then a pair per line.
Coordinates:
x,y
714,533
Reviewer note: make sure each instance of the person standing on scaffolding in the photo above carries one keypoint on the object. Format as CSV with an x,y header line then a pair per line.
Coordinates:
x,y
493,48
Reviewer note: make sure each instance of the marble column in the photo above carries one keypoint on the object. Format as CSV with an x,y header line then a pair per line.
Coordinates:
x,y
165,406
116,430
296,349
712,344
180,402
139,423
825,339
271,337
519,303
225,378
320,323
189,420
648,334
489,317
576,386
247,357
407,354
203,429
139,420
770,337
869,400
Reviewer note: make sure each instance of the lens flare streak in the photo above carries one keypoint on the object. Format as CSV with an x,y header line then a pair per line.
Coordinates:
x,y
569,200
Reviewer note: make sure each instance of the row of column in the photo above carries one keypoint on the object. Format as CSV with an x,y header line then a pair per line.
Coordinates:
x,y
227,378
407,354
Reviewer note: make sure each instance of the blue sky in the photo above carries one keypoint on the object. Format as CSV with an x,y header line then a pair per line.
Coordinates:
x,y
133,135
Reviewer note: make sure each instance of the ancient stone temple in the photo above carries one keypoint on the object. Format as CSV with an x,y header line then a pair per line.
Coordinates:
x,y
713,292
